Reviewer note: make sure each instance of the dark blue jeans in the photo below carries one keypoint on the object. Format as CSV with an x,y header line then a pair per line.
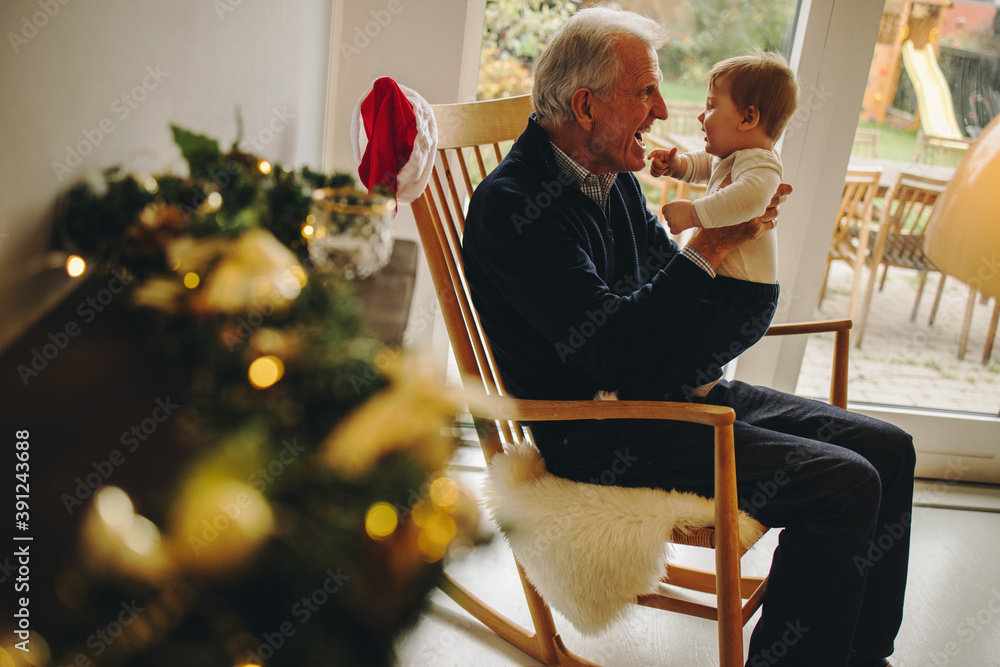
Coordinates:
x,y
839,484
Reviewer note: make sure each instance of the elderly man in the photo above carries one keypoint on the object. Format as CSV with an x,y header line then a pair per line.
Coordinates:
x,y
580,291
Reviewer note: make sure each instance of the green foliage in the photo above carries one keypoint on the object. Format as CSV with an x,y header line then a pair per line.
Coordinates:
x,y
199,151
514,34
367,591
702,33
713,30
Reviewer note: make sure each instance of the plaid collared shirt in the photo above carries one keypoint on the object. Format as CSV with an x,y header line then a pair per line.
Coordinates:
x,y
598,188
594,186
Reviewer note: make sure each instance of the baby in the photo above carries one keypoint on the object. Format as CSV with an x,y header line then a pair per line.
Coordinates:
x,y
750,100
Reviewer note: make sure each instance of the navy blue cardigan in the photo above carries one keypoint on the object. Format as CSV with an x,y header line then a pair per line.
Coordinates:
x,y
574,299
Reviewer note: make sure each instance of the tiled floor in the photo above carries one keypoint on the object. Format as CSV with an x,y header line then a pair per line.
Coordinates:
x,y
952,607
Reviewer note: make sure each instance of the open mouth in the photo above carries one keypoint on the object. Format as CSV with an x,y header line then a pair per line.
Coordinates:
x,y
638,138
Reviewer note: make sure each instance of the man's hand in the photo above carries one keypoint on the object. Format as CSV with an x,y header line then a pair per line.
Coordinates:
x,y
715,244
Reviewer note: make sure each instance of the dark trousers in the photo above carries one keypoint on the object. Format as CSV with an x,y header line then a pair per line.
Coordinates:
x,y
839,484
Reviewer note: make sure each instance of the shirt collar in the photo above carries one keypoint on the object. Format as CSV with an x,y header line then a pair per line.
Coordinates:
x,y
594,186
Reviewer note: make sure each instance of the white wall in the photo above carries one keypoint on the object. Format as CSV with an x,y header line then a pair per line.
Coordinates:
x,y
65,72
64,82
431,46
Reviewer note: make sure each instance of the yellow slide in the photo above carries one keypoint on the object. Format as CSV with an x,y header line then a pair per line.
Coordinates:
x,y
937,116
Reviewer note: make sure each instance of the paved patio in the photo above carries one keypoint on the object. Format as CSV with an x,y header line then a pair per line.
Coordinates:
x,y
903,362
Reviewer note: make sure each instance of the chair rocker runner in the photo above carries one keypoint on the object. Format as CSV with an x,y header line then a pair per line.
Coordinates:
x,y
464,130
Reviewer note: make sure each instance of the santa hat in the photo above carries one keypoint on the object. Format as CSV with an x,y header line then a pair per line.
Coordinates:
x,y
394,137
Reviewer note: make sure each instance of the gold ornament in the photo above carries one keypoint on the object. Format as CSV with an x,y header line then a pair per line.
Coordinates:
x,y
409,415
218,524
256,272
119,542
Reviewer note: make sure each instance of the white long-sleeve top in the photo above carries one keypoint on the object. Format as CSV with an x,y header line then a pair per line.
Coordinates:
x,y
754,174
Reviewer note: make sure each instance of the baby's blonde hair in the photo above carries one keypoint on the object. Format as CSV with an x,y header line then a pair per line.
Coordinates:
x,y
761,79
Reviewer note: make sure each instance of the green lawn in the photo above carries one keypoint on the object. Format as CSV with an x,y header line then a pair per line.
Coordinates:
x,y
893,144
671,90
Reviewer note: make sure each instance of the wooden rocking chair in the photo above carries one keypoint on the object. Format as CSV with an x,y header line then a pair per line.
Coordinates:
x,y
463,129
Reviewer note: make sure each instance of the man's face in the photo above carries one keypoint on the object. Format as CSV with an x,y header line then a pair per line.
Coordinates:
x,y
616,137
720,121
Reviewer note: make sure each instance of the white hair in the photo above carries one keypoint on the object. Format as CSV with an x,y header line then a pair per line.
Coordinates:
x,y
582,54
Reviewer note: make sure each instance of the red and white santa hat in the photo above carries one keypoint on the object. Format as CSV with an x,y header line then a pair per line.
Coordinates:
x,y
394,137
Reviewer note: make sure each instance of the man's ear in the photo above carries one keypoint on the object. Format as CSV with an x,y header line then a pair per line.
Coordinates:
x,y
582,103
751,118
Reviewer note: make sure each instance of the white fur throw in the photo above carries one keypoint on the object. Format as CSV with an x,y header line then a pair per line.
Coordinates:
x,y
589,550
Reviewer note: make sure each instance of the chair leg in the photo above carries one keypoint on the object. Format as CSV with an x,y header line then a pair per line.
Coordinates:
x,y
822,288
885,274
544,645
920,293
991,333
727,554
862,319
937,300
963,340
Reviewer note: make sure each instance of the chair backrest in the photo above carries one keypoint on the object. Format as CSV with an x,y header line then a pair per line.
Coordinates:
x,y
855,210
471,141
942,151
682,118
904,221
865,143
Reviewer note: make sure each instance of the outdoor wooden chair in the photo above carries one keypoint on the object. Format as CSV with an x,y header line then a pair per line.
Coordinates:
x,y
852,227
865,143
900,241
470,136
941,151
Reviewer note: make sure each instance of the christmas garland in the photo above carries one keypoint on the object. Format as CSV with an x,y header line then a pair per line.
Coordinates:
x,y
325,563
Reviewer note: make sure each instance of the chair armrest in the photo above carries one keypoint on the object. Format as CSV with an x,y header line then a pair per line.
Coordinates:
x,y
820,326
841,350
537,410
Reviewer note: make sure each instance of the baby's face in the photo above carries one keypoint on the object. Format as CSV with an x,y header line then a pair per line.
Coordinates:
x,y
720,121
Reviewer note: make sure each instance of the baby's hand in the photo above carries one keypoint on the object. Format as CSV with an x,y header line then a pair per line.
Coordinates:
x,y
680,215
666,163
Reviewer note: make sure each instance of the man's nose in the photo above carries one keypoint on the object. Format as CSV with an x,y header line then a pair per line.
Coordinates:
x,y
659,110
